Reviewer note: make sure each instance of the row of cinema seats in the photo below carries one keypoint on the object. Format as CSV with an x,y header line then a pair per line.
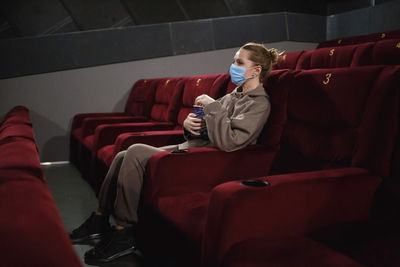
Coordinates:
x,y
383,52
157,106
31,231
373,37
162,104
327,147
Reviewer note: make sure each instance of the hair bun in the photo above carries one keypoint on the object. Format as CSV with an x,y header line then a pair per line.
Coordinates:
x,y
274,55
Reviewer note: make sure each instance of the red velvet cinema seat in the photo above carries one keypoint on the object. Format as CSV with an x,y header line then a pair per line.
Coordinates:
x,y
332,57
386,52
163,114
284,251
352,121
338,57
288,60
361,39
334,121
200,169
137,109
31,231
214,85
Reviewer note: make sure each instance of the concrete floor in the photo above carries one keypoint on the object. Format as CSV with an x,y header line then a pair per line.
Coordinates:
x,y
75,201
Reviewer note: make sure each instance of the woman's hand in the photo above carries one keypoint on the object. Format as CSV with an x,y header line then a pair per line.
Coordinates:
x,y
193,124
203,100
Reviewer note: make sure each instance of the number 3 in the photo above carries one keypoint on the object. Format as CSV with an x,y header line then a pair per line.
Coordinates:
x,y
328,77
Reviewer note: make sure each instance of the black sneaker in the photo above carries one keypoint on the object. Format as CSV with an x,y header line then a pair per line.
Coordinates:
x,y
120,243
92,230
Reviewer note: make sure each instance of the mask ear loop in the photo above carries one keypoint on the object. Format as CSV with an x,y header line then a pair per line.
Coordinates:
x,y
255,66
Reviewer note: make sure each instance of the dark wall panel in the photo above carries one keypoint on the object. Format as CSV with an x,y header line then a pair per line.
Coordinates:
x,y
349,24
235,31
306,28
335,7
31,18
194,36
154,11
244,7
68,51
89,14
385,17
203,9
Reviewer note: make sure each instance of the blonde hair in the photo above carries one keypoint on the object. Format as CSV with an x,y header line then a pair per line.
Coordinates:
x,y
262,56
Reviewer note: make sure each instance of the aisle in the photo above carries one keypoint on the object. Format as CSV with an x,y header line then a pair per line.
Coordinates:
x,y
75,201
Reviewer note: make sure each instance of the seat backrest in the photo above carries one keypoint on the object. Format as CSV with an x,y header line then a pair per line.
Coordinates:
x,y
338,57
340,117
374,37
304,60
386,52
332,57
167,99
362,55
17,115
141,97
276,85
214,85
288,60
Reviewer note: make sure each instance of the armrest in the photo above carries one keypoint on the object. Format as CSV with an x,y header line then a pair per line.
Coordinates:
x,y
201,169
293,204
153,138
89,124
106,134
78,118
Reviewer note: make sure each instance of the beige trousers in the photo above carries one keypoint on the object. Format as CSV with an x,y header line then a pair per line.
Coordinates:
x,y
120,192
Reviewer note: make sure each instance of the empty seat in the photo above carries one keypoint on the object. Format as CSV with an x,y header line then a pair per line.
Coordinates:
x,y
288,60
31,231
163,113
330,57
137,108
386,52
374,37
341,56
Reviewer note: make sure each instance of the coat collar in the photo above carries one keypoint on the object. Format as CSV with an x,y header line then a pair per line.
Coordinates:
x,y
258,91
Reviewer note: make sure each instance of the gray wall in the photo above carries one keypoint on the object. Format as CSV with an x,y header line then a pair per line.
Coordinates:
x,y
384,17
54,98
108,46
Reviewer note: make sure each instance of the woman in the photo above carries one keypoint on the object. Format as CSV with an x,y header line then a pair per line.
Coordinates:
x,y
232,122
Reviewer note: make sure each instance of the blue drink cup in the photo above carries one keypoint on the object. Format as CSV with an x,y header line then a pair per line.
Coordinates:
x,y
198,110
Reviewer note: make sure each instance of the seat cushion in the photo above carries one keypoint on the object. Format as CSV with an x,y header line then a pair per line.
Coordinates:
x,y
19,154
106,154
77,133
89,142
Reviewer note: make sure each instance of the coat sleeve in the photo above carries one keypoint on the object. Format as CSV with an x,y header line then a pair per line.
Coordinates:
x,y
236,132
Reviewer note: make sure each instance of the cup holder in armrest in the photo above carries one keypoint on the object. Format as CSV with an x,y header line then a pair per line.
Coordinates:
x,y
255,183
179,151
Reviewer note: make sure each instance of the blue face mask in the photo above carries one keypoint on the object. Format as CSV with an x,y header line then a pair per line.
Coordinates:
x,y
237,74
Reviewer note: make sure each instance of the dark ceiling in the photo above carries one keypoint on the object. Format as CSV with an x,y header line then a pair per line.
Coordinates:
x,y
22,18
